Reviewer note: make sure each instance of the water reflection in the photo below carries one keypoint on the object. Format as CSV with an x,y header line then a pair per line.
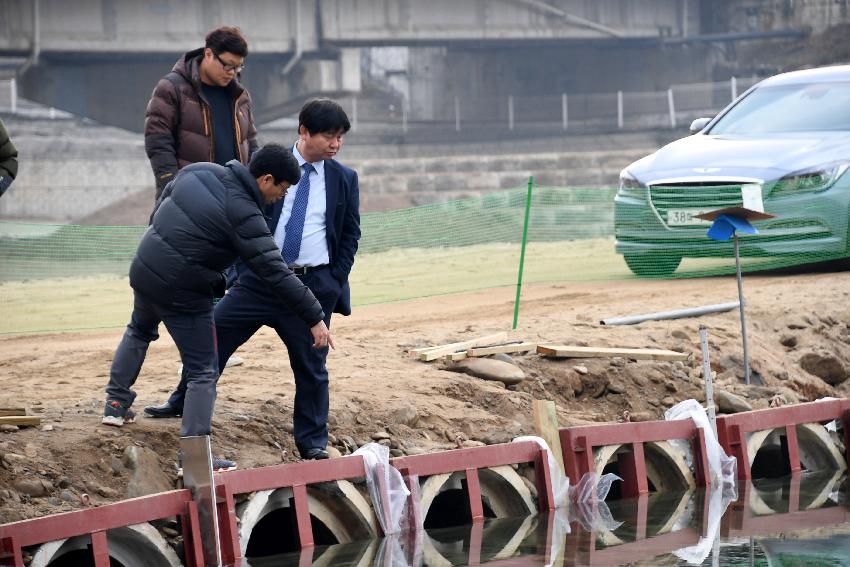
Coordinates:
x,y
801,520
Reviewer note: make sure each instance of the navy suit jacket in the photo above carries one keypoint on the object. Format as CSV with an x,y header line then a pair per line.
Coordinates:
x,y
342,217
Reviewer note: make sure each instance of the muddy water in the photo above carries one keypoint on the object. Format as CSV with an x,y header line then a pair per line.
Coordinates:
x,y
803,521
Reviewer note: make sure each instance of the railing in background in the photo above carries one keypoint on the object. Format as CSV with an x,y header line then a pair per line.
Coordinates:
x,y
576,112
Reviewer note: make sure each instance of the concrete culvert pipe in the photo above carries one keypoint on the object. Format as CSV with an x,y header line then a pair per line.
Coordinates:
x,y
339,514
444,501
132,546
668,466
768,452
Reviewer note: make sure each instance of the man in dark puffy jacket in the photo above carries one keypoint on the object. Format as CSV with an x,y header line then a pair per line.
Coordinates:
x,y
207,217
8,160
199,112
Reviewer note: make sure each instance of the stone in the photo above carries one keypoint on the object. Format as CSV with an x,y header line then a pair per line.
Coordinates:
x,y
594,386
504,358
581,369
797,325
640,381
788,340
669,401
405,415
64,482
641,416
616,387
288,428
680,334
67,496
146,473
728,402
116,465
380,435
827,367
6,428
416,451
396,453
47,427
29,486
618,362
489,369
671,386
470,443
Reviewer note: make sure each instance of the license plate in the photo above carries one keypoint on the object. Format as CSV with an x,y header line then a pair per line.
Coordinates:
x,y
685,217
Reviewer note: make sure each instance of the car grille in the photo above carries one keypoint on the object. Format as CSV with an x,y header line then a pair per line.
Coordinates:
x,y
705,195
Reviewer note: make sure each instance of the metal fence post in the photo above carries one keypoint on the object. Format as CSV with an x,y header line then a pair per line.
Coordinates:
x,y
733,84
620,110
510,112
457,114
672,108
564,114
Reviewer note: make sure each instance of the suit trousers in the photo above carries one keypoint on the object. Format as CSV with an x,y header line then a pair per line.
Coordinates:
x,y
194,335
244,310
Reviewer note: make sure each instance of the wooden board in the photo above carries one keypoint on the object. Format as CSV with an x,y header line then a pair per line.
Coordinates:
x,y
442,351
517,347
12,411
546,426
20,420
568,351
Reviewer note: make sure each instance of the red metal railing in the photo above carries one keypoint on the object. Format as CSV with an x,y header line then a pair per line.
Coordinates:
x,y
732,429
470,461
577,444
96,521
294,475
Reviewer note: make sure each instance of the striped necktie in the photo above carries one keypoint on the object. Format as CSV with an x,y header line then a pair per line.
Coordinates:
x,y
295,225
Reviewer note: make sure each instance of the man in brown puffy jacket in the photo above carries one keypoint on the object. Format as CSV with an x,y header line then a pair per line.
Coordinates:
x,y
199,112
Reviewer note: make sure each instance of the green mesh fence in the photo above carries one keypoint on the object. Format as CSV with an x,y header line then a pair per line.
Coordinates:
x,y
67,277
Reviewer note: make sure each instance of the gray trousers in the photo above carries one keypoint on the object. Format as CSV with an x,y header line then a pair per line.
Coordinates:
x,y
194,335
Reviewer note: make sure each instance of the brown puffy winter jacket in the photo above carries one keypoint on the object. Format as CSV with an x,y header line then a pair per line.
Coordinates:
x,y
176,137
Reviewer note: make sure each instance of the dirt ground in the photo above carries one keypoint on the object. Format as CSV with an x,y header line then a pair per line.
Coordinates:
x,y
71,460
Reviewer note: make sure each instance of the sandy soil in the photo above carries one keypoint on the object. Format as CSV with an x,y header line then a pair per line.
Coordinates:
x,y
377,387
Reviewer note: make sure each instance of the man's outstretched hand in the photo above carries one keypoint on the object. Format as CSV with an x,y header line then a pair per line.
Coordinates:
x,y
322,335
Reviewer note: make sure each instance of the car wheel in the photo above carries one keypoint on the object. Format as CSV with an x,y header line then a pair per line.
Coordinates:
x,y
652,264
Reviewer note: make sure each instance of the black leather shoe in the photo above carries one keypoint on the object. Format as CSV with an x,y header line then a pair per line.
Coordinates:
x,y
164,410
314,454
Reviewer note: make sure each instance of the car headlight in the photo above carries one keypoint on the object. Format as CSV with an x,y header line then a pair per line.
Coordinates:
x,y
631,187
811,180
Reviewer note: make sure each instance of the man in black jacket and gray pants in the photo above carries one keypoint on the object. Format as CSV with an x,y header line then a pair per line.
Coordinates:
x,y
207,217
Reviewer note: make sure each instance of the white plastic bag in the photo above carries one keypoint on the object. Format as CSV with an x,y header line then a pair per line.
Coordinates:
x,y
588,506
560,481
376,458
722,468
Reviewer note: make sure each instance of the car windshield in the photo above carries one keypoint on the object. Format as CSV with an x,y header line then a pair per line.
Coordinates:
x,y
789,108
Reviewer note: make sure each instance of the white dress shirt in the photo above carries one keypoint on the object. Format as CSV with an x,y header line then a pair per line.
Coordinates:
x,y
314,242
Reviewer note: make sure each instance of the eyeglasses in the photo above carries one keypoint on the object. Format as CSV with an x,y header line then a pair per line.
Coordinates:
x,y
227,66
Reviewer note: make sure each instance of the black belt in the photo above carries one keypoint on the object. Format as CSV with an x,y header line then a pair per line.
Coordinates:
x,y
304,270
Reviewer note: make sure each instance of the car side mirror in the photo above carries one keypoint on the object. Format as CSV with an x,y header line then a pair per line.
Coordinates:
x,y
698,125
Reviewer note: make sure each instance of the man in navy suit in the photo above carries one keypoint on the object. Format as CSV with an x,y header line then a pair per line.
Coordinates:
x,y
317,227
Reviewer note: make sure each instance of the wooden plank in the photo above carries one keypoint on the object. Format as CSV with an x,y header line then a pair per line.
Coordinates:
x,y
568,351
455,356
20,420
498,338
486,351
440,352
12,411
546,426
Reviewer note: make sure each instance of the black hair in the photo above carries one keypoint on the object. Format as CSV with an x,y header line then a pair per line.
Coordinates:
x,y
276,160
227,40
323,115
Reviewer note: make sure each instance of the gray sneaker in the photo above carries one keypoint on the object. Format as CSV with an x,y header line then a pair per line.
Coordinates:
x,y
117,415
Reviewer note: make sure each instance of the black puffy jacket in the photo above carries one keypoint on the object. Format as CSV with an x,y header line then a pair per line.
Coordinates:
x,y
207,217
